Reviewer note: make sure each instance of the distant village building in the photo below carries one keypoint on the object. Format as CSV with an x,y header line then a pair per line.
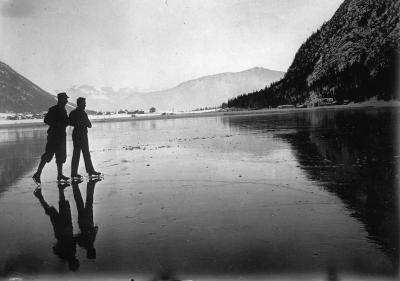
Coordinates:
x,y
285,106
152,109
323,102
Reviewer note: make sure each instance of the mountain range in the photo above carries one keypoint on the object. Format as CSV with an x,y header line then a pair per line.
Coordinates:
x,y
354,56
207,91
18,94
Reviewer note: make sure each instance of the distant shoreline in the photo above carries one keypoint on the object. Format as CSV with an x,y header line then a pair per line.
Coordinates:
x,y
96,119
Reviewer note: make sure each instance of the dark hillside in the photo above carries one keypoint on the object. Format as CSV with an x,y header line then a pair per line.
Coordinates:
x,y
354,56
18,94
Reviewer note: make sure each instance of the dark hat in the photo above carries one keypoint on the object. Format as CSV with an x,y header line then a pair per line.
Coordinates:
x,y
80,99
62,95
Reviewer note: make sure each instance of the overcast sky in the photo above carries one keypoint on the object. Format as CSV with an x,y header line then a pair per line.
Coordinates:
x,y
151,44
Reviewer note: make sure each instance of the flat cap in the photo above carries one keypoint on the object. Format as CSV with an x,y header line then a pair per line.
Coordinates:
x,y
62,95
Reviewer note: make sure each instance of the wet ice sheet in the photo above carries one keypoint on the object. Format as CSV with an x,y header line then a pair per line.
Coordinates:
x,y
239,196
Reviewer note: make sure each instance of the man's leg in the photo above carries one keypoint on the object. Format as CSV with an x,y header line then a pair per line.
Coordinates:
x,y
61,156
75,158
36,176
60,176
46,157
59,168
41,166
86,155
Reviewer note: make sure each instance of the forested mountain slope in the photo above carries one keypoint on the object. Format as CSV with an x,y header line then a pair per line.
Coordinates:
x,y
18,94
354,56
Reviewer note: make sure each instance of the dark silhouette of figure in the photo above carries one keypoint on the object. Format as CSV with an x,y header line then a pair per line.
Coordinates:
x,y
57,119
88,230
80,121
65,248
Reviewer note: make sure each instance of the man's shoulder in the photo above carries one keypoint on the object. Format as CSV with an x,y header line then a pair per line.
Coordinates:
x,y
54,107
57,108
73,112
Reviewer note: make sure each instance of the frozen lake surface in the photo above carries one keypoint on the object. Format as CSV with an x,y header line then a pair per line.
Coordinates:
x,y
279,196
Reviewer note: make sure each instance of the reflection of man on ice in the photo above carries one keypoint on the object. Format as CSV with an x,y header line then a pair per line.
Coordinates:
x,y
80,121
65,248
88,233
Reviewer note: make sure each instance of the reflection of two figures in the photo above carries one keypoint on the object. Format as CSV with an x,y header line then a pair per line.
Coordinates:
x,y
65,247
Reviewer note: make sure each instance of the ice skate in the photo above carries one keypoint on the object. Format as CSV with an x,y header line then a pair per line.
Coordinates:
x,y
76,178
62,178
95,175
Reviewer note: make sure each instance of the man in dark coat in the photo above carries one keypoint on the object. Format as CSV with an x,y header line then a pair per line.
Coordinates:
x,y
80,121
57,119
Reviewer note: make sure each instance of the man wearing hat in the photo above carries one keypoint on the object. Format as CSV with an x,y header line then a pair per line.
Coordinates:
x,y
57,119
80,121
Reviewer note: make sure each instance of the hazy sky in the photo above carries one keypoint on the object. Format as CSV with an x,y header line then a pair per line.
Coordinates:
x,y
151,44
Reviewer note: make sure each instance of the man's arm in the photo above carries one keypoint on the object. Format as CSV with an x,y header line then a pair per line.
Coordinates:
x,y
70,122
86,120
49,118
66,120
72,119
